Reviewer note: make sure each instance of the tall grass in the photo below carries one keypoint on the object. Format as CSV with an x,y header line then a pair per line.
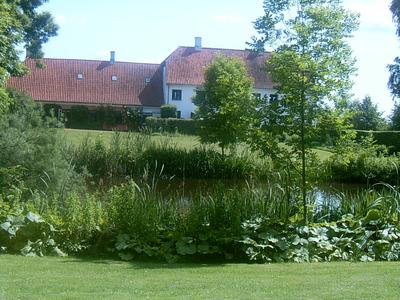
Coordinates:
x,y
130,155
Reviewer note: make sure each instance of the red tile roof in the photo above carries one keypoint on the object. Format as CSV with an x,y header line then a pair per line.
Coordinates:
x,y
58,82
186,65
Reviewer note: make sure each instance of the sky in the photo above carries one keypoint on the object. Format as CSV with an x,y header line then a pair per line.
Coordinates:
x,y
148,31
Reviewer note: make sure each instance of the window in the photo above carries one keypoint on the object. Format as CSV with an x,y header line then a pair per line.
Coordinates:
x,y
80,76
114,78
178,114
257,96
147,81
177,95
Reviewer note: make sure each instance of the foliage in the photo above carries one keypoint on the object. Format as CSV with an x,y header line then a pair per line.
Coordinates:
x,y
26,233
225,103
168,111
363,162
134,118
200,163
4,101
395,118
22,25
129,155
311,64
31,151
394,69
172,125
81,117
390,139
78,218
366,115
366,239
244,225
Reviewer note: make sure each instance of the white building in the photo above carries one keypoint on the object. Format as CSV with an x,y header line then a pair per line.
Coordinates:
x,y
71,82
183,74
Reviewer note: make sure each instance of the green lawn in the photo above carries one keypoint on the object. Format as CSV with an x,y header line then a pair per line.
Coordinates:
x,y
76,136
72,278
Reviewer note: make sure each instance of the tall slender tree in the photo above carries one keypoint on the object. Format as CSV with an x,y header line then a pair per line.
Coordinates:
x,y
311,64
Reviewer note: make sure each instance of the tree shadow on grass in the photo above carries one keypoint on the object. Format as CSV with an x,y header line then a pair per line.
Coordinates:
x,y
149,264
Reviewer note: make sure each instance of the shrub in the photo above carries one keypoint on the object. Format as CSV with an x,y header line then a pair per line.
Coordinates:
x,y
172,125
390,139
80,117
31,150
168,111
365,162
129,155
134,118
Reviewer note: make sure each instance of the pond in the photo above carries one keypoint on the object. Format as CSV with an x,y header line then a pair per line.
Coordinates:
x,y
191,187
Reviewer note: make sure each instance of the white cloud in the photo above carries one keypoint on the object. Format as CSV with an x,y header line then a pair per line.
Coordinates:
x,y
228,18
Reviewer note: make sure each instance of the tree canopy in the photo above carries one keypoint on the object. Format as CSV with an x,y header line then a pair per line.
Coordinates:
x,y
22,25
311,64
394,69
225,102
366,115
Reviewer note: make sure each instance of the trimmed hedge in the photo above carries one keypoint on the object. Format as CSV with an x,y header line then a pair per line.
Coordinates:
x,y
391,139
172,125
168,111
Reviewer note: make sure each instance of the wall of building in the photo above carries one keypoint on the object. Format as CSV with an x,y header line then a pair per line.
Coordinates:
x,y
186,106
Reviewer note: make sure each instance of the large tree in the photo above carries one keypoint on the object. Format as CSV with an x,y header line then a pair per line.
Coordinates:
x,y
22,25
366,115
225,102
394,69
311,64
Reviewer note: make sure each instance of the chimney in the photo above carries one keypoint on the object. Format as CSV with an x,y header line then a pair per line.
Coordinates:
x,y
112,57
197,44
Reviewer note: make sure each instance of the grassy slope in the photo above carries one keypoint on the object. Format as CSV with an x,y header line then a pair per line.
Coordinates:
x,y
75,136
71,278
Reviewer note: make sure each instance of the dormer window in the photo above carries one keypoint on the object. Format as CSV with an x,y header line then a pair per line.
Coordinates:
x,y
79,76
114,78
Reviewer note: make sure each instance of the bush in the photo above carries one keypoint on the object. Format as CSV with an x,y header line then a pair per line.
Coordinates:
x,y
168,111
173,125
199,163
390,139
80,117
364,162
129,155
32,153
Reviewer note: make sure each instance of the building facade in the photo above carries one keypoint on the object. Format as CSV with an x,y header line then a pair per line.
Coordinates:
x,y
71,82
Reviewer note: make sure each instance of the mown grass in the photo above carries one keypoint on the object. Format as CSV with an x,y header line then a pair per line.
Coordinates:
x,y
72,278
77,136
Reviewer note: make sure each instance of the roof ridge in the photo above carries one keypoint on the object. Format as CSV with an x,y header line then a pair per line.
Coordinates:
x,y
96,60
230,49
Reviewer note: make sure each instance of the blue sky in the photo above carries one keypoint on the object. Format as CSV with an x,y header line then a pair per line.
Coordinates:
x,y
148,31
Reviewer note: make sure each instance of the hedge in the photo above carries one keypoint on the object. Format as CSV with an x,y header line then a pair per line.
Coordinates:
x,y
168,111
172,125
391,139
